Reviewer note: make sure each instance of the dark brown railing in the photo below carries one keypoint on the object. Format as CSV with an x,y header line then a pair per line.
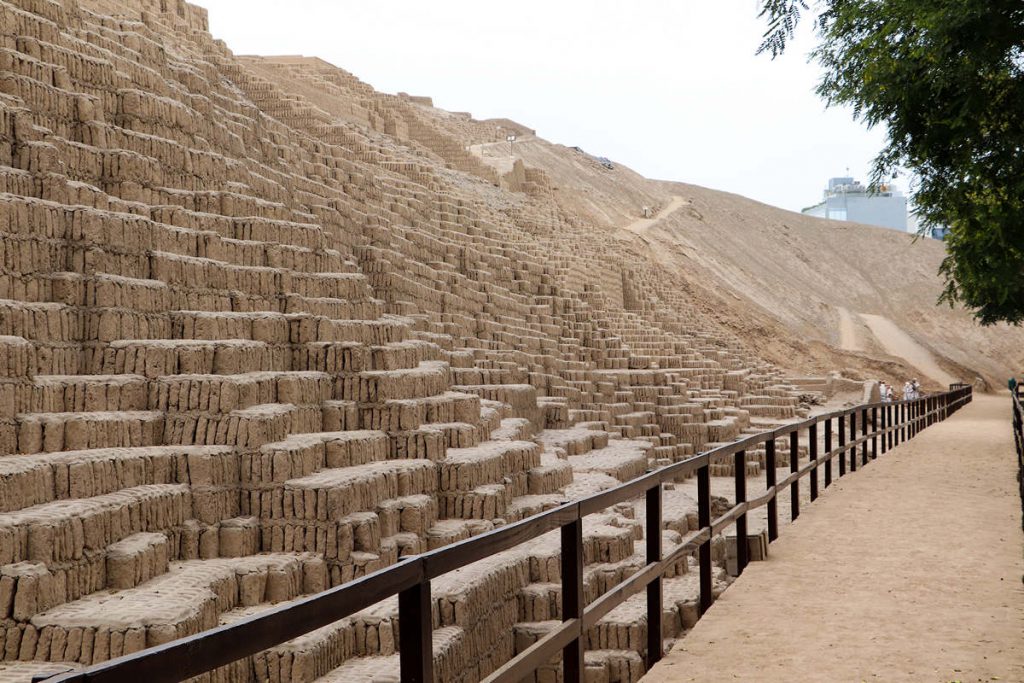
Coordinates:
x,y
890,423
1018,441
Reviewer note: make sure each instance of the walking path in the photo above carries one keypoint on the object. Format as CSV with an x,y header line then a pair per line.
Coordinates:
x,y
641,226
908,570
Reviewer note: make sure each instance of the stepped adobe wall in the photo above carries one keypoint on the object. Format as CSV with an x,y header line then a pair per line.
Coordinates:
x,y
264,330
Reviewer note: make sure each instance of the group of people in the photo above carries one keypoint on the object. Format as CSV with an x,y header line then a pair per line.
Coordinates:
x,y
911,390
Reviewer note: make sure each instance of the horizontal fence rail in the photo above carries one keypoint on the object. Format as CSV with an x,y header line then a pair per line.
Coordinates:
x,y
1018,442
881,426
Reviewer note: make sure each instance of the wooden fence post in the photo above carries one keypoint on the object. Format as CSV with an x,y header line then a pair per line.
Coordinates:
x,y
842,445
828,451
770,476
874,433
415,637
707,597
812,444
740,467
884,417
853,440
654,588
572,596
794,465
905,421
864,434
897,423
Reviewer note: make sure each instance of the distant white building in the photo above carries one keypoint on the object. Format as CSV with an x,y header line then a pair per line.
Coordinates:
x,y
847,200
936,232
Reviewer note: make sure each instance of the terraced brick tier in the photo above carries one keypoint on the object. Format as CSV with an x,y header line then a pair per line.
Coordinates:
x,y
334,493
50,432
108,626
250,306
62,530
30,480
159,357
622,459
225,393
466,468
299,455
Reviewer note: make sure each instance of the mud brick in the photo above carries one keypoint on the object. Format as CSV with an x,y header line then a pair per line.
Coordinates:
x,y
264,330
136,559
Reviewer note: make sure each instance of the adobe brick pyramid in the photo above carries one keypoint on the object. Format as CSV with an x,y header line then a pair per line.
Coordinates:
x,y
261,340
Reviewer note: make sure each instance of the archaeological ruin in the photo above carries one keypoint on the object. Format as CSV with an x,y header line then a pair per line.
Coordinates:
x,y
266,330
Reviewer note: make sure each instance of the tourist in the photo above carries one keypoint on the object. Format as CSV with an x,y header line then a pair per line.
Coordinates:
x,y
917,388
888,393
908,390
882,391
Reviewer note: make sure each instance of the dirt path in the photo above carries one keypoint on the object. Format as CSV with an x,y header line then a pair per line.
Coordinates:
x,y
898,343
497,155
643,224
848,339
909,570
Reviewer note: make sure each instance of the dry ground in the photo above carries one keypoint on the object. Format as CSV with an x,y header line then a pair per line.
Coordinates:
x,y
910,570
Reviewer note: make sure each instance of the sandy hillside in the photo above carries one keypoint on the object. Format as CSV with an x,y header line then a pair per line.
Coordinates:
x,y
848,295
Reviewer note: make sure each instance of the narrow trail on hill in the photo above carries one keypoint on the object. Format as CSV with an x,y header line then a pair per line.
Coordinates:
x,y
642,225
848,339
898,343
909,570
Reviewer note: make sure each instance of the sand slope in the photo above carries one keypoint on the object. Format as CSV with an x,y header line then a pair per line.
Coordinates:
x,y
898,343
794,272
847,331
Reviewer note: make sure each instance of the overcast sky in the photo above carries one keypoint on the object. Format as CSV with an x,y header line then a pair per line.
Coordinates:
x,y
671,88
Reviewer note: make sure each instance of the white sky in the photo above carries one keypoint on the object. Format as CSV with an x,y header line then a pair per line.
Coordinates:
x,y
670,88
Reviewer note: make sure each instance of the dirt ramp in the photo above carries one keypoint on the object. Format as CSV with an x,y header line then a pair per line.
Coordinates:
x,y
897,342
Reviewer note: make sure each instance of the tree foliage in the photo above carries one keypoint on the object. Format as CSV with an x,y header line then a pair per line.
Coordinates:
x,y
946,77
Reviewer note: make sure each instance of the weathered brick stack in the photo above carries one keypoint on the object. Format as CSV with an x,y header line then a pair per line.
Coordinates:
x,y
264,330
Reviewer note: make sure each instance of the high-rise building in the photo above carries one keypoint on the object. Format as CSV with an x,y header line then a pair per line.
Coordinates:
x,y
846,199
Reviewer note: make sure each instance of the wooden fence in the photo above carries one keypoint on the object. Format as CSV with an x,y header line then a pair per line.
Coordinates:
x,y
890,424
